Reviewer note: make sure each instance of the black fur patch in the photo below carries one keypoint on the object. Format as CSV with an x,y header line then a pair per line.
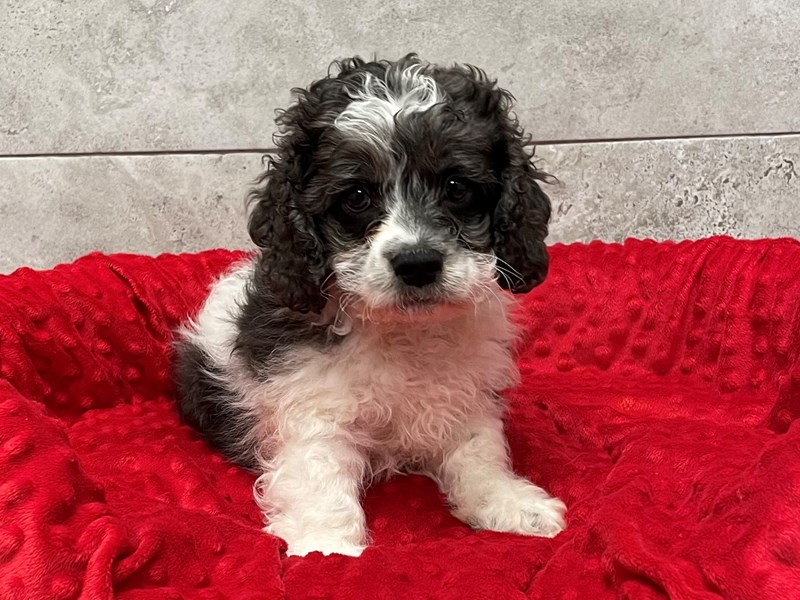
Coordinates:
x,y
206,405
267,328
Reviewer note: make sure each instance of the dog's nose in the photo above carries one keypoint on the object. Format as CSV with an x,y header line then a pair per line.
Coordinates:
x,y
418,267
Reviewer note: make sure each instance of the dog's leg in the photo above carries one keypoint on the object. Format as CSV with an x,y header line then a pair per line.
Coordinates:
x,y
311,496
477,478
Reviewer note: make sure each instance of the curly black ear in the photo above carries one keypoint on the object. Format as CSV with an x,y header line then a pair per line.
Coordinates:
x,y
521,219
292,264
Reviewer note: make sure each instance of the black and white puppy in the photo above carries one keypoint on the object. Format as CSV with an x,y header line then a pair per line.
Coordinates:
x,y
371,334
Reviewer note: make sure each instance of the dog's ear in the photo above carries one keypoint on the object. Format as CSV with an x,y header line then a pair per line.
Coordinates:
x,y
282,211
292,263
521,218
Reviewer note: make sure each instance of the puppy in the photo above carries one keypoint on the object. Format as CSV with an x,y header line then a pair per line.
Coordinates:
x,y
371,334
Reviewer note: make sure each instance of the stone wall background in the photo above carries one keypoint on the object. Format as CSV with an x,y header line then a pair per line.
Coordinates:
x,y
136,125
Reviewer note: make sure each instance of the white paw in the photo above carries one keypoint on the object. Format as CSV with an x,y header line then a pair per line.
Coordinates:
x,y
516,506
327,541
326,546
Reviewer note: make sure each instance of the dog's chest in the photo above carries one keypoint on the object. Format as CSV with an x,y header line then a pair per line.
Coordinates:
x,y
413,388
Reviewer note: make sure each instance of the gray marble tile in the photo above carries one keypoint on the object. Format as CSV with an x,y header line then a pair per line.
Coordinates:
x,y
111,75
685,189
55,209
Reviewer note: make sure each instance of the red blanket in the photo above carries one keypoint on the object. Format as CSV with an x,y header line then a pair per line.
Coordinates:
x,y
661,383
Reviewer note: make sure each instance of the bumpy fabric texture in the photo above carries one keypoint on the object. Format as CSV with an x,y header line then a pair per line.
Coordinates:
x,y
660,393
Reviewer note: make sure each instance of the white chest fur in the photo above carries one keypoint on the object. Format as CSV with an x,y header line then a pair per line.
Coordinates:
x,y
402,391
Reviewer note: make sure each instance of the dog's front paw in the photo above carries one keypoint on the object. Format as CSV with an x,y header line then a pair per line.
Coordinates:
x,y
515,507
327,541
326,546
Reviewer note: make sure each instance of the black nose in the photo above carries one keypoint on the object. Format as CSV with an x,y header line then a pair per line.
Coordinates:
x,y
418,267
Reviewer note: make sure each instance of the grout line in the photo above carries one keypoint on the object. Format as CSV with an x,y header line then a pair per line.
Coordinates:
x,y
102,153
559,142
664,138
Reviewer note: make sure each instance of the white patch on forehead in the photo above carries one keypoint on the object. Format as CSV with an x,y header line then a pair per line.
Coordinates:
x,y
372,113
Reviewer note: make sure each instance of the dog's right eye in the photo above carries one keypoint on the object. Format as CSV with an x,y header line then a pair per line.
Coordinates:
x,y
356,199
456,189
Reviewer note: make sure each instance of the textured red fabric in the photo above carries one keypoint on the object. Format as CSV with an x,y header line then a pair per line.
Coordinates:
x,y
661,386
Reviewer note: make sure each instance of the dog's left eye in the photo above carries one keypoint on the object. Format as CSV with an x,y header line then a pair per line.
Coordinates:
x,y
456,189
357,199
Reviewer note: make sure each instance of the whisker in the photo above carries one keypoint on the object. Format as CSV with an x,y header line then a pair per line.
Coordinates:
x,y
505,276
508,272
510,268
323,287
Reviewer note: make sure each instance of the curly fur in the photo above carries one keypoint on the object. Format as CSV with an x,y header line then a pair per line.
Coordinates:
x,y
371,333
